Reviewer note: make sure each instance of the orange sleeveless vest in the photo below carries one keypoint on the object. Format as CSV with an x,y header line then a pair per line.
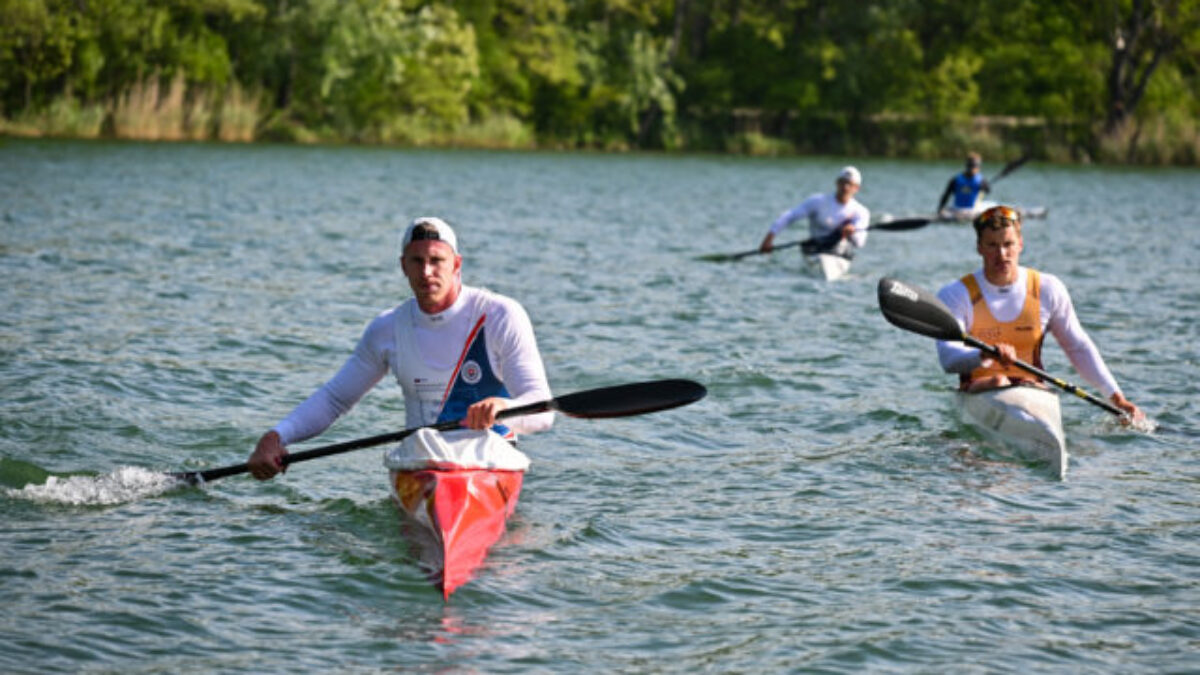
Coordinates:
x,y
1024,332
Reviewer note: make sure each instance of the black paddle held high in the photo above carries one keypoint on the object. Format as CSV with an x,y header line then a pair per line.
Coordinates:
x,y
915,309
1010,167
623,400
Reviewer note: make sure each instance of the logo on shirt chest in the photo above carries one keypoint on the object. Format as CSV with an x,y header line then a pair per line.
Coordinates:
x,y
471,373
988,334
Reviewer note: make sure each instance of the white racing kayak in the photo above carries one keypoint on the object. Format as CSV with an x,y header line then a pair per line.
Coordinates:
x,y
954,215
1024,420
827,266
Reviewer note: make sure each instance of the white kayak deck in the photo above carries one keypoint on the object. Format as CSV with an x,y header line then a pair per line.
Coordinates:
x,y
827,266
1024,420
428,448
954,215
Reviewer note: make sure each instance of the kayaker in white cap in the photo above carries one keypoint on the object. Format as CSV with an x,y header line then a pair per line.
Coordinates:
x,y
838,218
458,352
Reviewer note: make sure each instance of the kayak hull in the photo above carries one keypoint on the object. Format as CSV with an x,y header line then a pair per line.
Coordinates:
x,y
452,517
1024,420
954,215
827,266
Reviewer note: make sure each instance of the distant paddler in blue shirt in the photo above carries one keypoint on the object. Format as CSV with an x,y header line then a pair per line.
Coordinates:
x,y
837,221
965,188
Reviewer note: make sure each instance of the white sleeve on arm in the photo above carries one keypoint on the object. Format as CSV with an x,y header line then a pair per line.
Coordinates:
x,y
862,223
1074,340
521,367
955,356
362,371
791,215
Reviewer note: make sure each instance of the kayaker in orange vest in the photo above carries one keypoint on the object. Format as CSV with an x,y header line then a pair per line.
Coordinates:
x,y
457,351
1012,307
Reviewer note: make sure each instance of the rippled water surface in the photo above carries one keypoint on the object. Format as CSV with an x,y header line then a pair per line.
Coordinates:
x,y
822,508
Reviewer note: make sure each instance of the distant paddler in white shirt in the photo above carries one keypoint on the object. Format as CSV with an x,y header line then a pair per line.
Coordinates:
x,y
837,221
1012,307
458,352
965,188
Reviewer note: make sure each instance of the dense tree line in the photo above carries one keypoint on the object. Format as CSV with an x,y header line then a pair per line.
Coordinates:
x,y
1090,78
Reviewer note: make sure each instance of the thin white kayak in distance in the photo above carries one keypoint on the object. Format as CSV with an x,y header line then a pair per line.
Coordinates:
x,y
953,215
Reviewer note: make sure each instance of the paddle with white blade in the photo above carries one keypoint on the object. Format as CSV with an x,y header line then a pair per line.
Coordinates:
x,y
915,309
625,400
818,243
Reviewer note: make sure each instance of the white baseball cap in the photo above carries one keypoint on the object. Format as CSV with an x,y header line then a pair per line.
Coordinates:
x,y
850,175
428,227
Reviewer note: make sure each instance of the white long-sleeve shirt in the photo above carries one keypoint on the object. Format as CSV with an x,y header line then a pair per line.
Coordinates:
x,y
422,352
1005,302
825,215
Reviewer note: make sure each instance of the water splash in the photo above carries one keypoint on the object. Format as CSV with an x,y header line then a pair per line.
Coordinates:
x,y
1144,425
126,484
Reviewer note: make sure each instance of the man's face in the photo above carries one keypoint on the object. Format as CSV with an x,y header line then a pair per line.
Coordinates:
x,y
846,190
1001,252
433,271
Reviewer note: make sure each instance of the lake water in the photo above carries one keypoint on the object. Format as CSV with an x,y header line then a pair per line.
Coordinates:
x,y
822,509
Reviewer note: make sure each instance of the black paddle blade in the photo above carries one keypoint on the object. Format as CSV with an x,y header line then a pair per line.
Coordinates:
x,y
901,224
625,400
915,309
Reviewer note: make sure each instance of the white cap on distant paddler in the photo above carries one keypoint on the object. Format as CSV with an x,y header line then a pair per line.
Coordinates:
x,y
850,175
428,227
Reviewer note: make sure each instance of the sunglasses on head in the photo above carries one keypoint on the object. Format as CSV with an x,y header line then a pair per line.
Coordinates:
x,y
998,217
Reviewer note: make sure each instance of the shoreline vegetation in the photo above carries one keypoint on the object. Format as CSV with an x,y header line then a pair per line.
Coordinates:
x,y
149,112
1111,83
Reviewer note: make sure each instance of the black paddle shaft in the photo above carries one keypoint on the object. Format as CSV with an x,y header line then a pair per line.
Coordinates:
x,y
1010,167
623,400
817,244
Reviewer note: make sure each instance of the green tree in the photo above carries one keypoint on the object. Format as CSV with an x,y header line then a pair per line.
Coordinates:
x,y
363,69
1141,35
36,43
